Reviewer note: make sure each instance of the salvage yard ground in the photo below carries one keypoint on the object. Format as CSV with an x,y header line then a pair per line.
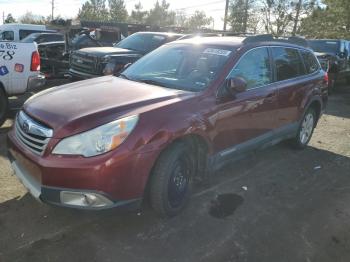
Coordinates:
x,y
278,205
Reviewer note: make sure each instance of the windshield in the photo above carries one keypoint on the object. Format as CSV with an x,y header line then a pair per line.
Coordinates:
x,y
324,46
29,39
180,66
142,42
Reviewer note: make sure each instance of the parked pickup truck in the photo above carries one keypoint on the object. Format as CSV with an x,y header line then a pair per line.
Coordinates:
x,y
19,72
334,58
97,61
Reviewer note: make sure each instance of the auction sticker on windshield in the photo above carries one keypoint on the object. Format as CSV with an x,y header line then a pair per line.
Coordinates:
x,y
214,51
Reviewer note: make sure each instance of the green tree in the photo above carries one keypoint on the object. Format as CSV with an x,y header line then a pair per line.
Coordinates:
x,y
237,16
117,10
332,21
198,20
160,15
30,18
138,15
93,10
9,19
278,16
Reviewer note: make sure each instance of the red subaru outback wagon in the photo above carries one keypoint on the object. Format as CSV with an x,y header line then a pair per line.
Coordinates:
x,y
176,114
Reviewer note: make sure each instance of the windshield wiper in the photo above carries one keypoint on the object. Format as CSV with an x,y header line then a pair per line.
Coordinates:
x,y
151,82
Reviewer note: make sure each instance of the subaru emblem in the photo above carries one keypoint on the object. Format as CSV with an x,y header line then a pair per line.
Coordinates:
x,y
25,126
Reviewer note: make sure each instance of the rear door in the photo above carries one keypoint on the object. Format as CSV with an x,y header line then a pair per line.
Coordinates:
x,y
290,82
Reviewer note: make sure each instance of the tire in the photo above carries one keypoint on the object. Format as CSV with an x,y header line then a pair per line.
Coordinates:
x,y
305,129
171,180
3,107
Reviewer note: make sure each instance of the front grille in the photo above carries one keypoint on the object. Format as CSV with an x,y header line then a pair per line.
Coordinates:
x,y
31,134
84,63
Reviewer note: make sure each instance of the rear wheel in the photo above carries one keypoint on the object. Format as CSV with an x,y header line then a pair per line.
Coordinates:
x,y
3,107
171,180
306,129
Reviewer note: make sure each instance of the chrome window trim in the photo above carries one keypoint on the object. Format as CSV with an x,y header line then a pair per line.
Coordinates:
x,y
281,81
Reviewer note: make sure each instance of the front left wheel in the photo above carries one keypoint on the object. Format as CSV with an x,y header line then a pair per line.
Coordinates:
x,y
171,181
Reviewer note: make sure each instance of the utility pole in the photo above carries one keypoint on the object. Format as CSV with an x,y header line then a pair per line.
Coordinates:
x,y
3,17
52,8
225,18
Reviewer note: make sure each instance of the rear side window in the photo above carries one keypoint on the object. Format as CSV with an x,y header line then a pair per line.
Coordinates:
x,y
310,61
287,62
52,38
24,33
254,67
7,35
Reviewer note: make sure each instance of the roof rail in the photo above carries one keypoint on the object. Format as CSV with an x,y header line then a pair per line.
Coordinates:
x,y
269,38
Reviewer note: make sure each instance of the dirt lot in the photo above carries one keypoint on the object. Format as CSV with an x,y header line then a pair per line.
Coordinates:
x,y
285,205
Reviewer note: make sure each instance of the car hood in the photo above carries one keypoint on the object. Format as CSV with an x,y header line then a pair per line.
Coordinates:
x,y
102,51
80,106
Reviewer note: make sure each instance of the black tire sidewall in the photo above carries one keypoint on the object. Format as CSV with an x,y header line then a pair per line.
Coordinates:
x,y
160,181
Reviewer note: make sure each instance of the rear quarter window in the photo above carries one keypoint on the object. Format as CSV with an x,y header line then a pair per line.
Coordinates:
x,y
7,35
310,61
288,63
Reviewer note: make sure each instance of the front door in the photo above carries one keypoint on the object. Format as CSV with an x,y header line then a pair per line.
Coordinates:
x,y
248,117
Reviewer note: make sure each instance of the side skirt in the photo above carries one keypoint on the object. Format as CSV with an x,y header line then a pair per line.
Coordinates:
x,y
240,151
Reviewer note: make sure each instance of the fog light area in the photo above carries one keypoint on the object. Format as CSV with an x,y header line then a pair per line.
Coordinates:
x,y
84,199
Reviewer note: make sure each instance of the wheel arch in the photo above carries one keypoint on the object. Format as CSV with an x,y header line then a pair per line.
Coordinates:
x,y
195,142
317,106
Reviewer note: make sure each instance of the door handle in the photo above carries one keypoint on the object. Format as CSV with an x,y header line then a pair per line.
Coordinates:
x,y
270,96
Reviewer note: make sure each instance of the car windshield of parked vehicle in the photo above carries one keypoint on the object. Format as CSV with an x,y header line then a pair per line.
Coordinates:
x,y
143,43
184,67
324,46
30,38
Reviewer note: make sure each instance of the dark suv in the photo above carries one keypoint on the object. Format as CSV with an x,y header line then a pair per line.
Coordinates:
x,y
334,58
178,113
98,61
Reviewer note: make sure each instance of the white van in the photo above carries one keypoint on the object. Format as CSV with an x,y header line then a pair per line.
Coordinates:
x,y
16,32
19,72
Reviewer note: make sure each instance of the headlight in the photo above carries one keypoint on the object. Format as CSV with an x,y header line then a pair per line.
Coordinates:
x,y
98,140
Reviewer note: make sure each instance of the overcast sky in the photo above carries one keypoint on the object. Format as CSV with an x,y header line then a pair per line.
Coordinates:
x,y
69,8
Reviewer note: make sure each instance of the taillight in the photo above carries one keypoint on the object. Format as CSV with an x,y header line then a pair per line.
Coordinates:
x,y
326,78
35,65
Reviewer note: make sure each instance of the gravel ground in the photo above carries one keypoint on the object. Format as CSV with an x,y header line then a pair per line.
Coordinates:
x,y
276,205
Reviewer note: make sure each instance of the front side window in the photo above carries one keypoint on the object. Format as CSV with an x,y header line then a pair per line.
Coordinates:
x,y
287,62
254,67
7,35
180,66
310,62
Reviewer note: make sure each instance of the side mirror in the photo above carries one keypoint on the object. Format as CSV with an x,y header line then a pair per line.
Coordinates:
x,y
236,85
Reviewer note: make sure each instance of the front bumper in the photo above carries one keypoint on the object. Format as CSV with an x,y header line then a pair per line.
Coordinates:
x,y
36,82
111,180
81,75
65,197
